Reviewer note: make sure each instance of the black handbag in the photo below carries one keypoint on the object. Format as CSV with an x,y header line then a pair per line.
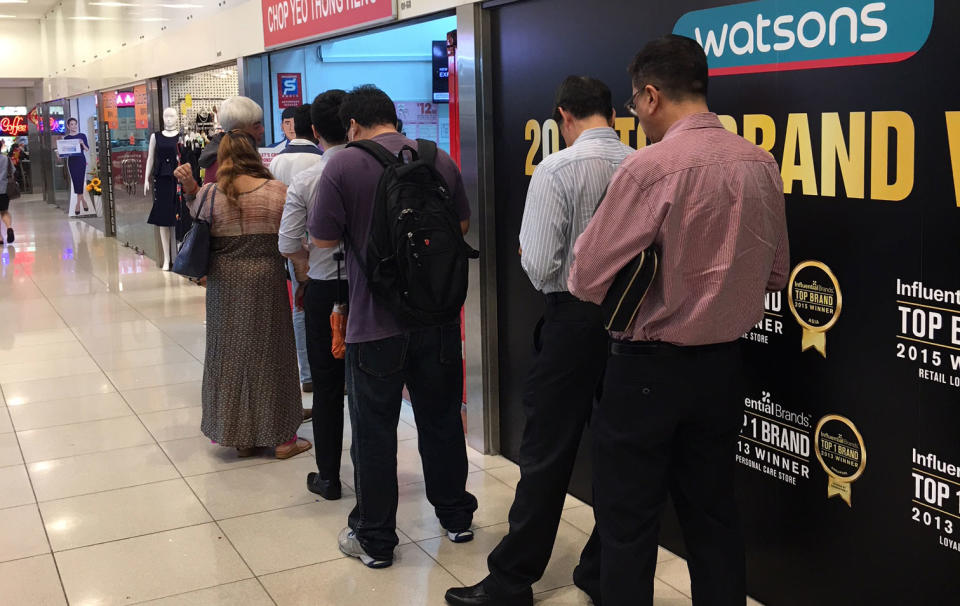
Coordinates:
x,y
193,260
628,290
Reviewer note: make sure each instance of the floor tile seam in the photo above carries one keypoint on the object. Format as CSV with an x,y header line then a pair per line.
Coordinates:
x,y
71,397
93,452
177,382
6,507
269,510
90,494
45,360
438,563
131,537
87,494
36,555
36,504
72,373
110,418
183,593
317,563
671,585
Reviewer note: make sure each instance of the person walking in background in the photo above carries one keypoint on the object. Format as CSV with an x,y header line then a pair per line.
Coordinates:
x,y
317,272
236,113
251,397
672,402
570,348
6,174
385,353
300,154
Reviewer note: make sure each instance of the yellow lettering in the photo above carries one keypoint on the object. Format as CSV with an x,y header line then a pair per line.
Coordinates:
x,y
953,136
760,124
624,126
551,137
852,159
729,123
641,137
798,139
531,132
902,126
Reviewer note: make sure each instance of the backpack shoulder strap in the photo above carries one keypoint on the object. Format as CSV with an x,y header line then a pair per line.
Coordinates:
x,y
427,151
384,157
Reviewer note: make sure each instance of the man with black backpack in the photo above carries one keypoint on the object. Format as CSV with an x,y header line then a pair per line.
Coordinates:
x,y
400,208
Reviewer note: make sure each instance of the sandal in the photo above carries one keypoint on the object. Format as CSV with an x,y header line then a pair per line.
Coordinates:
x,y
293,448
307,414
249,451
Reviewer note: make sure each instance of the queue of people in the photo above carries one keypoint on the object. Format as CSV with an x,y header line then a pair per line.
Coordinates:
x,y
661,396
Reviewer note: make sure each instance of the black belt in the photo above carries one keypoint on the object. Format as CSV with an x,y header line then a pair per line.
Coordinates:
x,y
561,297
652,348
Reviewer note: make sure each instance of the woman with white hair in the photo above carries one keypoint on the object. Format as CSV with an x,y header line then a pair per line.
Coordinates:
x,y
236,113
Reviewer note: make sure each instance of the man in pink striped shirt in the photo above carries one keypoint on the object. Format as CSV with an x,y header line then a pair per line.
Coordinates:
x,y
672,398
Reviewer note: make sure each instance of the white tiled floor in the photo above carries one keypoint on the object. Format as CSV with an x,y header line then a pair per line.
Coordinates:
x,y
109,494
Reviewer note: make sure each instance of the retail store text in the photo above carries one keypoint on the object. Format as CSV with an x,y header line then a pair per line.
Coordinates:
x,y
885,171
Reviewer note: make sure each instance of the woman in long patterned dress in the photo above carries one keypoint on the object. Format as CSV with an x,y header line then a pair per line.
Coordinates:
x,y
251,386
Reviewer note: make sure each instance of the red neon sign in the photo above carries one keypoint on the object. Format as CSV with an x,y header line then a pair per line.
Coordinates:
x,y
13,126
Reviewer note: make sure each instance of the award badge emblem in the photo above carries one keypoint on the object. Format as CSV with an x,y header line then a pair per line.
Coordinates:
x,y
840,449
815,301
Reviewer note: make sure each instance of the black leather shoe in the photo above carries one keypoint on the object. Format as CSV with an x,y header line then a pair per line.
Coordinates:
x,y
328,489
477,596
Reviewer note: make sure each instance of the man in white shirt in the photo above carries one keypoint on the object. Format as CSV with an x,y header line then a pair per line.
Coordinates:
x,y
299,155
317,269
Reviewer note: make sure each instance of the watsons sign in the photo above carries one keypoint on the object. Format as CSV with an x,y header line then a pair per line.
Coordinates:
x,y
780,35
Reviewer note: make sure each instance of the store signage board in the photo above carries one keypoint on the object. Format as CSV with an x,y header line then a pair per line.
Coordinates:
x,y
288,21
13,126
126,99
289,90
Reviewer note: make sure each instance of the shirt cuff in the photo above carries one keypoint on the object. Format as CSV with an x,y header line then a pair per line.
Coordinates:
x,y
290,245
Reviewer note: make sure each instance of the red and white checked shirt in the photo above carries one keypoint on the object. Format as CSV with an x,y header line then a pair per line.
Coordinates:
x,y
713,203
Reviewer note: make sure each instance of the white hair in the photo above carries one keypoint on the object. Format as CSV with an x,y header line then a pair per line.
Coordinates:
x,y
239,112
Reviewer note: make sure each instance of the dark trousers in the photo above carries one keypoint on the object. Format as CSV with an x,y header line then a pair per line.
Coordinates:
x,y
570,351
668,422
327,374
429,362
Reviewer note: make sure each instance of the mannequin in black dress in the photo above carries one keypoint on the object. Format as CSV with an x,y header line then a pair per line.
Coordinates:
x,y
163,158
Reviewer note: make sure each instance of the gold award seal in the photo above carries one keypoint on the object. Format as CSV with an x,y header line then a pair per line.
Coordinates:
x,y
815,301
839,448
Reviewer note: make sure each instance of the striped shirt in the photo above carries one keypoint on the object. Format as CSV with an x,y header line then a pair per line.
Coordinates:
x,y
713,203
563,195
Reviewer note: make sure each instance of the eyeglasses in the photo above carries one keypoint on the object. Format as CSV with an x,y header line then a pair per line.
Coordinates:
x,y
630,105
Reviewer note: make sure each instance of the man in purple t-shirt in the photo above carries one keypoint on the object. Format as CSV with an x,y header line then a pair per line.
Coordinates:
x,y
384,354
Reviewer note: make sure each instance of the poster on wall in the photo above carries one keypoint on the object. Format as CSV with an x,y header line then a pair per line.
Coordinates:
x,y
289,90
110,115
849,453
420,120
141,107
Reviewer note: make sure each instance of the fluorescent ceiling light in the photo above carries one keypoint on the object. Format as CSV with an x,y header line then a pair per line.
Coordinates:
x,y
154,19
181,5
90,18
112,4
13,1
8,16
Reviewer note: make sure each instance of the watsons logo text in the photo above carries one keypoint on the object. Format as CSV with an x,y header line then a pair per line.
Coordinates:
x,y
781,35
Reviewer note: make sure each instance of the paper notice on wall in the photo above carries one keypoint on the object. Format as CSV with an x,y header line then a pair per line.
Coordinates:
x,y
420,120
267,154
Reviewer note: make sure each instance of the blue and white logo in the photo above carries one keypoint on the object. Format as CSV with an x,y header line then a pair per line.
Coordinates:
x,y
290,86
781,35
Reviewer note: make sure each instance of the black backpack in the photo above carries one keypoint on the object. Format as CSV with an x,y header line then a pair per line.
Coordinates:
x,y
416,259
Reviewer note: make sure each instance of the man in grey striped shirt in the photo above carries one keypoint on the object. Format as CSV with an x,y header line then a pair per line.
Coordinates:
x,y
570,347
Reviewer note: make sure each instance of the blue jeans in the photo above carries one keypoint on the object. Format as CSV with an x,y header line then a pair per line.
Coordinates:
x,y
299,331
429,363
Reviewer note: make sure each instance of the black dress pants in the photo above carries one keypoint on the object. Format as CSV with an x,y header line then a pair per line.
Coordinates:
x,y
328,376
570,351
668,420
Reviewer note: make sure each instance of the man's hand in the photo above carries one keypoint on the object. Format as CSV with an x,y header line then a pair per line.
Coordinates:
x,y
184,174
298,296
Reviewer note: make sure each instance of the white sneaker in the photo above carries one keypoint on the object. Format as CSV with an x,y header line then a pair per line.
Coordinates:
x,y
464,536
350,545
